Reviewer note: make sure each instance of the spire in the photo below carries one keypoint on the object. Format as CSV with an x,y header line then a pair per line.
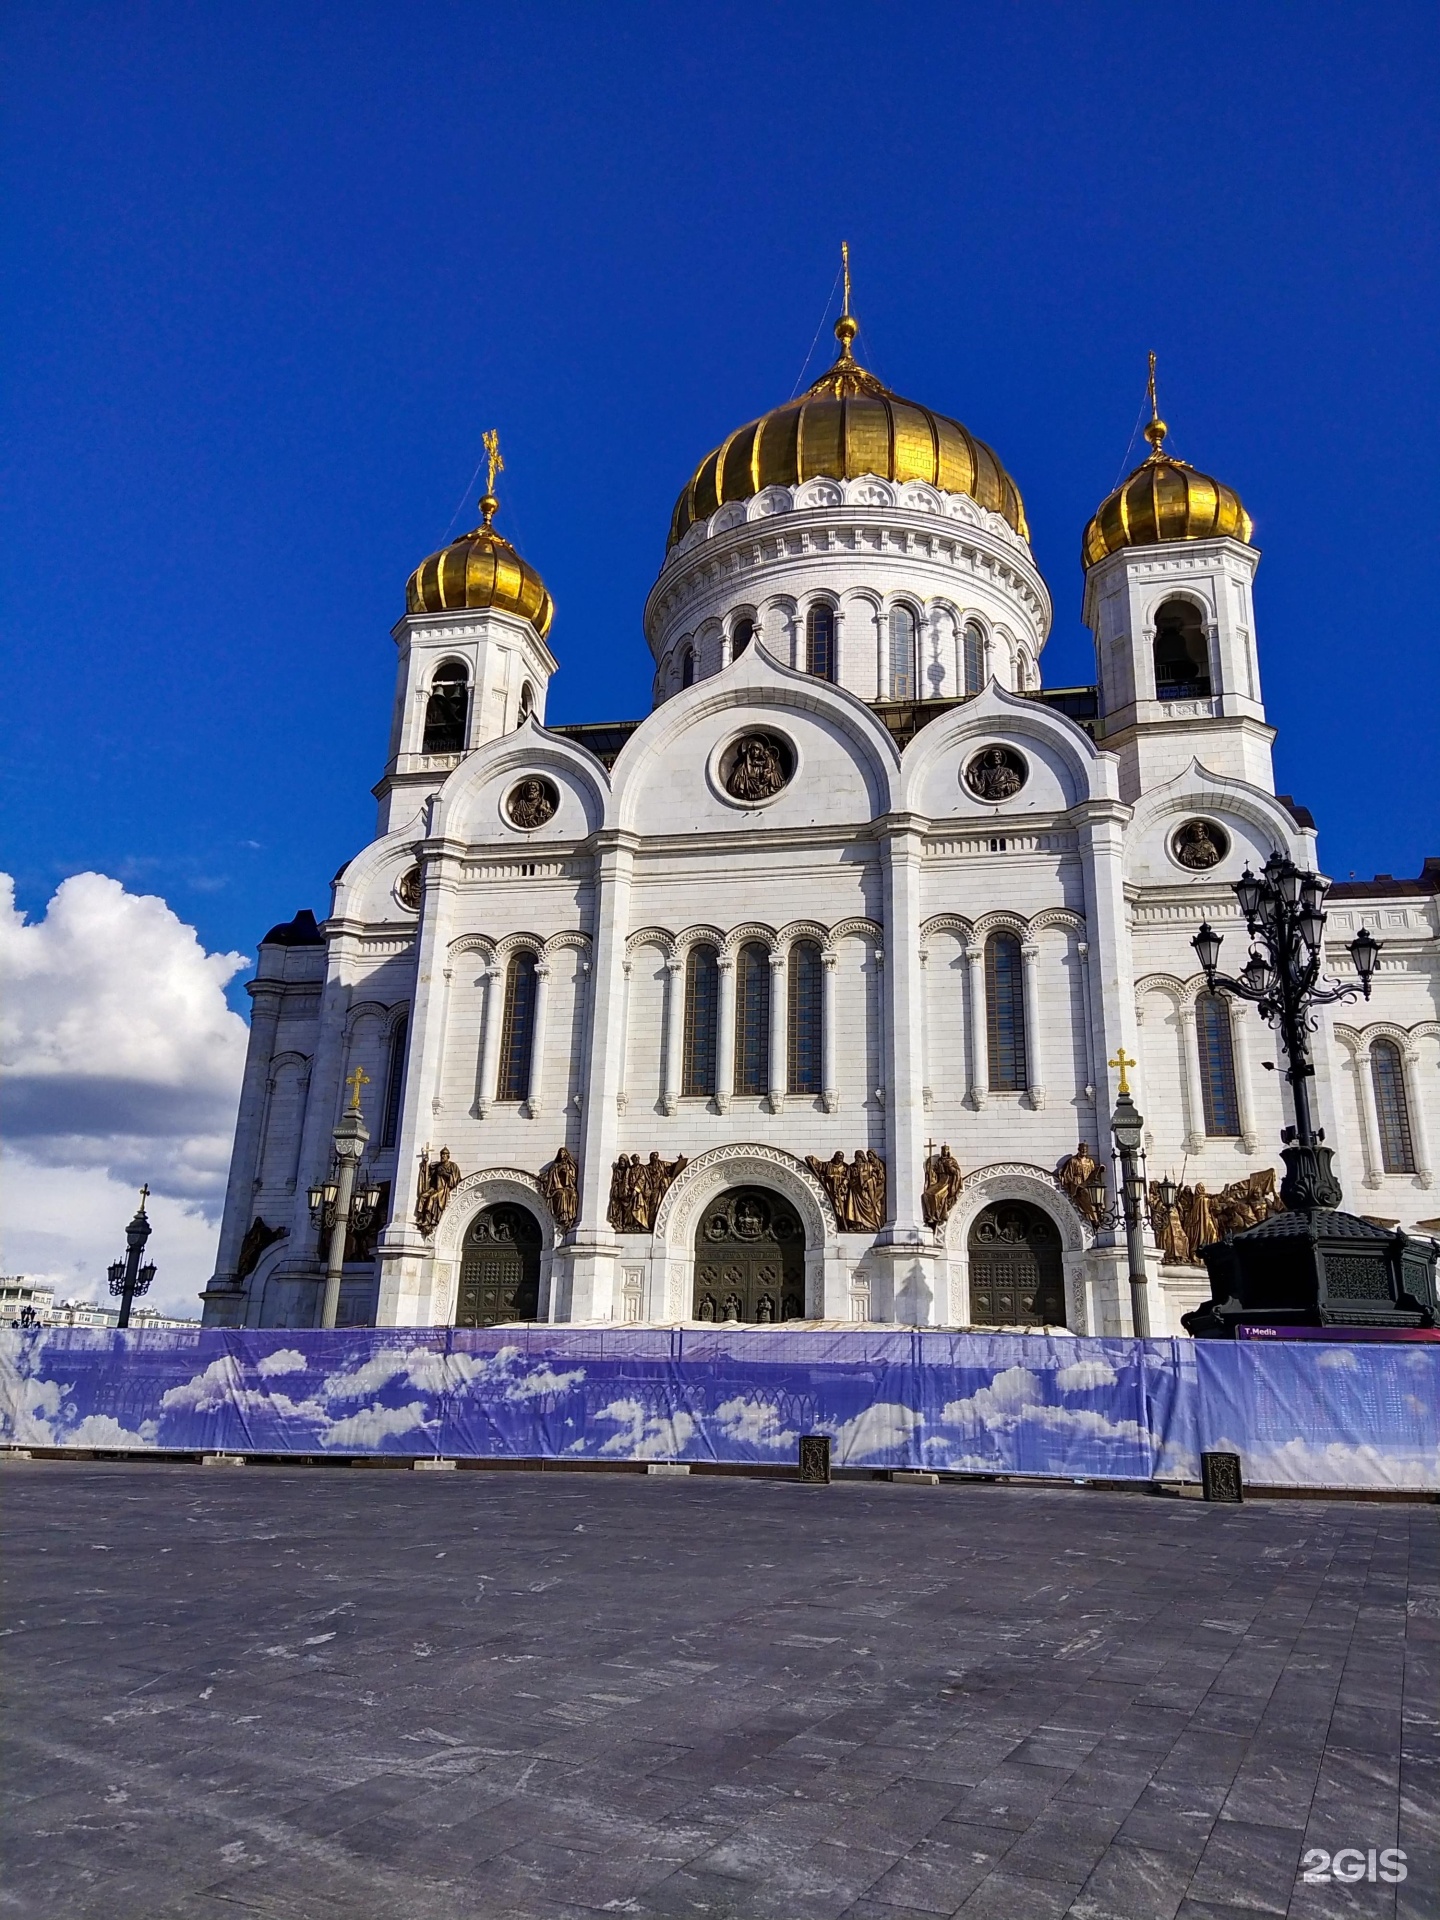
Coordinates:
x,y
496,465
1156,431
847,326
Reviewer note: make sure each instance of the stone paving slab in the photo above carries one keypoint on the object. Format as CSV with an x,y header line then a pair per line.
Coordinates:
x,y
300,1694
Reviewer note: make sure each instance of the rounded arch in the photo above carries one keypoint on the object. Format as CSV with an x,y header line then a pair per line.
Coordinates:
x,y
480,943
1164,593
528,749
794,930
1037,1187
1002,920
1080,769
955,923
657,937
519,943
701,935
1065,917
489,1187
857,928
749,930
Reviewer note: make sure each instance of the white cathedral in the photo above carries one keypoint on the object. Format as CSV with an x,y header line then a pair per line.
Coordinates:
x,y
801,998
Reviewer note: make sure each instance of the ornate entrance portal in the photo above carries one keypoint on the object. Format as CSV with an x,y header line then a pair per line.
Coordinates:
x,y
499,1268
750,1259
1016,1277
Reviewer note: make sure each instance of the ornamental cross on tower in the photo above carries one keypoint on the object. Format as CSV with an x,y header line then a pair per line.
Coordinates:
x,y
1123,1063
845,270
495,466
1157,429
359,1078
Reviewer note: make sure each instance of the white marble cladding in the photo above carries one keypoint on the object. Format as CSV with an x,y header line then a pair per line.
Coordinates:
x,y
860,547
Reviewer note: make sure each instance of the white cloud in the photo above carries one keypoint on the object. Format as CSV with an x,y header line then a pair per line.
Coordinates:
x,y
754,1423
122,1063
645,1436
998,1404
283,1360
374,1424
1085,1375
1340,1359
213,1388
877,1432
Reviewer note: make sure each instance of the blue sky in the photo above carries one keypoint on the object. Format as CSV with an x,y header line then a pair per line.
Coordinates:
x,y
273,271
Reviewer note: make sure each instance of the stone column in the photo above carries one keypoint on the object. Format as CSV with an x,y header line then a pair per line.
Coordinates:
x,y
1244,1083
1190,1066
674,1033
725,1037
779,1054
535,1084
1419,1126
1034,1026
905,1243
622,1096
974,955
1082,948
1369,1119
831,1096
493,1015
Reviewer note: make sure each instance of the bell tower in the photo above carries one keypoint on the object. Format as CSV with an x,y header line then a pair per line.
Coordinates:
x,y
1169,580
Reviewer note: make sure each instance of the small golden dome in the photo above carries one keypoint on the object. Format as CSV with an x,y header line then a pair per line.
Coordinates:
x,y
848,424
1163,499
481,569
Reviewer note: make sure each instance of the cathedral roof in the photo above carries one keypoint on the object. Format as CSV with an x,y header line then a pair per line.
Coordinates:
x,y
1163,499
481,569
848,424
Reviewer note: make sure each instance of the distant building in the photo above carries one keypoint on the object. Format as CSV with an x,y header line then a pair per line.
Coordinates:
x,y
17,1293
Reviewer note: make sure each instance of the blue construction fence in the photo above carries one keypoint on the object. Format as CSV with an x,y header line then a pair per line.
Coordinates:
x,y
1323,1414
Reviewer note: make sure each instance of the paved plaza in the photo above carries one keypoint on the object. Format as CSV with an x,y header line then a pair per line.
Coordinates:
x,y
337,1692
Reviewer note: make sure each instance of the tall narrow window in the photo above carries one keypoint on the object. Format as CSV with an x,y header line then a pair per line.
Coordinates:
x,y
1182,653
902,653
1392,1108
752,1019
1217,1066
1005,1012
687,667
517,1036
744,633
447,708
806,1015
527,702
820,642
974,644
394,1082
702,1012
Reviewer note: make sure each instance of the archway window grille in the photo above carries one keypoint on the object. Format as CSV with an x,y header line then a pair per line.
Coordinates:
x,y
820,642
752,1019
974,647
806,1016
394,1082
902,653
702,1014
1005,1013
517,1038
1217,1067
1392,1107
447,708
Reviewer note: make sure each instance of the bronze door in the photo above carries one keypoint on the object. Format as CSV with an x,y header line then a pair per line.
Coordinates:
x,y
500,1268
750,1259
1016,1278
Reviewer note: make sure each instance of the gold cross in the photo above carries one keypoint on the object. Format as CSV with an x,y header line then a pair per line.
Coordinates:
x,y
1123,1062
845,269
1154,403
359,1078
144,1196
492,456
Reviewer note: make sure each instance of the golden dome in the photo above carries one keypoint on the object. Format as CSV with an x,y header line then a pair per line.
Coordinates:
x,y
481,569
846,425
1163,499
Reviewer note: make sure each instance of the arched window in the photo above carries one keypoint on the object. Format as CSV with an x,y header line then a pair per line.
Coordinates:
x,y
517,1035
527,702
806,1016
702,1013
902,653
447,708
1022,671
1392,1107
820,642
687,667
394,1082
974,657
1182,654
1005,1013
1217,1067
752,1019
744,633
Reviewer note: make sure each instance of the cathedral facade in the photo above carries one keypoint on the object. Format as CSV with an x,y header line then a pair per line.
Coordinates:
x,y
808,995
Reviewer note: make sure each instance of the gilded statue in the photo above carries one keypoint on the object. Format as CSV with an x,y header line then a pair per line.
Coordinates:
x,y
636,1189
436,1184
560,1184
531,804
757,770
1198,1218
1075,1173
1245,1203
943,1180
857,1191
1174,1246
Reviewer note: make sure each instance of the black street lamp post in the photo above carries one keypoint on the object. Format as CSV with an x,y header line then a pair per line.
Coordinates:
x,y
1128,1129
128,1279
345,1203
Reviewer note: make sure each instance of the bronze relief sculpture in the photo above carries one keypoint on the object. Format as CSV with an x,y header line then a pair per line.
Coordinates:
x,y
436,1184
1197,1218
760,764
943,1180
532,803
1200,844
560,1184
996,773
857,1191
636,1189
257,1238
1075,1173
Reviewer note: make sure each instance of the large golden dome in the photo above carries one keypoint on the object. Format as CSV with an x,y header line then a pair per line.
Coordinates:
x,y
1163,499
846,425
481,569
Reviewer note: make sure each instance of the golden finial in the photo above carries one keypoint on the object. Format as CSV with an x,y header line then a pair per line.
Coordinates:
x,y
847,326
496,465
1156,431
1123,1062
359,1078
144,1196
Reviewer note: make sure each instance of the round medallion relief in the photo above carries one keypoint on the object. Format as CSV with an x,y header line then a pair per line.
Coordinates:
x,y
1200,844
756,766
407,889
996,773
531,802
